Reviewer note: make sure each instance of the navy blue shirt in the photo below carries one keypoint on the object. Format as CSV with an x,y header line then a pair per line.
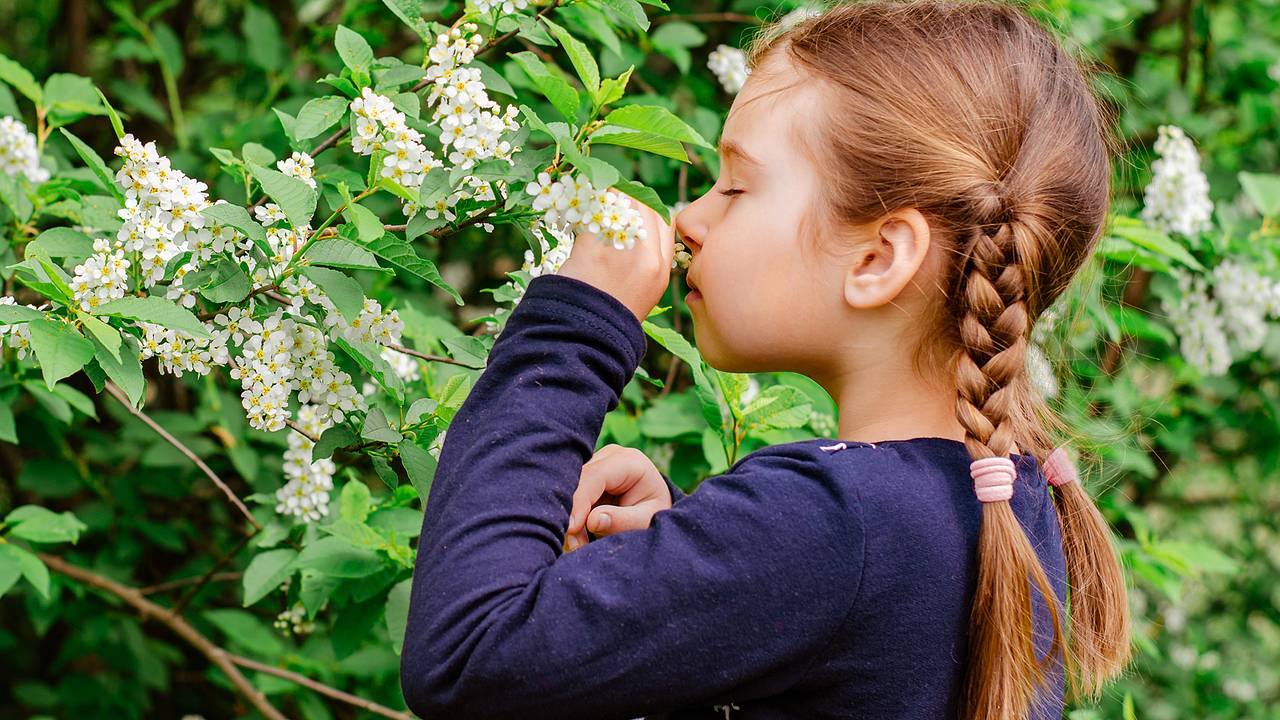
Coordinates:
x,y
813,579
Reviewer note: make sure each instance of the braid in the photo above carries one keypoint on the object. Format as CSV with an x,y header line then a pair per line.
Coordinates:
x,y
1004,672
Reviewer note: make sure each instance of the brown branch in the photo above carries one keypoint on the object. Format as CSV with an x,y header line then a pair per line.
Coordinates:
x,y
182,582
123,399
431,358
204,579
179,626
299,429
321,688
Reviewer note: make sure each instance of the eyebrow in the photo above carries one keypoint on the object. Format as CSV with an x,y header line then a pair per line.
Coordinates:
x,y
731,148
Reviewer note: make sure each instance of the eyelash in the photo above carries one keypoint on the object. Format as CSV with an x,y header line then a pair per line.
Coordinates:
x,y
731,192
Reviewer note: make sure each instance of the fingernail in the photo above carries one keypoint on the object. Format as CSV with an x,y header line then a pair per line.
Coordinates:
x,y
603,523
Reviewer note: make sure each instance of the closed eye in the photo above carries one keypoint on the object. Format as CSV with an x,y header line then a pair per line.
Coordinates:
x,y
731,192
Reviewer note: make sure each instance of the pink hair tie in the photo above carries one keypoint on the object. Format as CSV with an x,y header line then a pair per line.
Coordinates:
x,y
993,478
1059,469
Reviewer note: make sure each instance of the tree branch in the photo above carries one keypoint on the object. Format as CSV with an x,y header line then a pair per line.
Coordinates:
x,y
123,399
180,627
321,688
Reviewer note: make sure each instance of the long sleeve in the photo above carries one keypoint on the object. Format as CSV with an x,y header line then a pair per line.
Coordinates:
x,y
729,595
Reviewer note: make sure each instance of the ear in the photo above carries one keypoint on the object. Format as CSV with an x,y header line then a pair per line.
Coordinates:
x,y
898,246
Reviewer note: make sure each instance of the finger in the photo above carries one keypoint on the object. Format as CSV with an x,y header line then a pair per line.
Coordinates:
x,y
611,519
592,483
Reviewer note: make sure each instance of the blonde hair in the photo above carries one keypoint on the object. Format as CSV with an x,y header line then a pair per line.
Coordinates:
x,y
974,114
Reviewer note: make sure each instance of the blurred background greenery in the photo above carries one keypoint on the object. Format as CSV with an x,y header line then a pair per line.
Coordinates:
x,y
1183,461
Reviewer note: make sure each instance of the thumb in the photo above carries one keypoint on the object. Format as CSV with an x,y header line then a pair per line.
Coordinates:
x,y
610,519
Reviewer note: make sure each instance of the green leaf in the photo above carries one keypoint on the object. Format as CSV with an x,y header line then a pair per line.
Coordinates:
x,y
21,80
335,556
396,251
103,333
94,163
777,406
346,293
554,87
230,215
38,524
649,142
295,198
580,55
116,125
1263,191
155,310
646,195
368,357
355,502
14,196
13,314
331,439
31,567
8,429
263,42
629,10
244,629
1144,236
10,568
420,466
61,242
124,368
397,613
708,394
338,253
376,428
354,50
368,225
657,120
266,572
319,115
72,94
228,282
59,348
409,12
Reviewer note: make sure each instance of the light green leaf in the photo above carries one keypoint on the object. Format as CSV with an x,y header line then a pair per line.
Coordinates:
x,y
646,195
10,568
266,572
368,225
397,613
1263,191
376,428
649,142
156,310
106,335
355,502
335,556
396,251
60,242
234,216
657,120
295,198
554,87
21,80
354,50
59,348
420,466
38,524
319,115
246,630
263,42
13,314
580,55
73,94
346,293
335,252
126,370
116,125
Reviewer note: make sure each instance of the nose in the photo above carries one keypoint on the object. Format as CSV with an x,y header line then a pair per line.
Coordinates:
x,y
688,230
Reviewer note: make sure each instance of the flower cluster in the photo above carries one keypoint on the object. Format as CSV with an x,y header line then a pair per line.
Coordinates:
x,y
463,110
18,151
508,6
574,203
730,67
294,620
381,127
305,495
1241,302
1177,200
16,336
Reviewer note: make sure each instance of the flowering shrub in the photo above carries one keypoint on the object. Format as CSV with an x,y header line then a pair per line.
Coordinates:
x,y
232,335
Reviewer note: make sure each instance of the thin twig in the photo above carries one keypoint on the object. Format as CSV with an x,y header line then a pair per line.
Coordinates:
x,y
431,358
204,579
182,582
321,688
123,399
299,429
217,655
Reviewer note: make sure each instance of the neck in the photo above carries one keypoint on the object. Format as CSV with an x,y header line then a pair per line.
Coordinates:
x,y
884,400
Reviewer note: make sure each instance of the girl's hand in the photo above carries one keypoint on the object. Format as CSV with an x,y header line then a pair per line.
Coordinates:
x,y
631,489
637,277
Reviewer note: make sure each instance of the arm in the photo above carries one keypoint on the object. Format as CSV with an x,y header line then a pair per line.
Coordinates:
x,y
502,624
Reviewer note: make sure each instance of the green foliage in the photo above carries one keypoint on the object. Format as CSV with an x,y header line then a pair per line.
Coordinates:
x,y
1181,462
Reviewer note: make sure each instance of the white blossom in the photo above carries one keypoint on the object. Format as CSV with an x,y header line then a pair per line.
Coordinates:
x,y
301,166
730,67
16,336
294,621
572,202
1197,320
19,154
305,494
1247,300
1177,199
1040,371
508,6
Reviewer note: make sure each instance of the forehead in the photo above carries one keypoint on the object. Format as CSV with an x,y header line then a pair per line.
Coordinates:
x,y
764,113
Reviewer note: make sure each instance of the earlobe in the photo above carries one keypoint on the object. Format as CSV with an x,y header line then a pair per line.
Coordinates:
x,y
880,274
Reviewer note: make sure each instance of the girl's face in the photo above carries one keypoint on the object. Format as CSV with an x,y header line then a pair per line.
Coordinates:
x,y
762,302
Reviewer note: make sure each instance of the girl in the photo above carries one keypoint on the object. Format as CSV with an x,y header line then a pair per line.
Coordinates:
x,y
904,188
